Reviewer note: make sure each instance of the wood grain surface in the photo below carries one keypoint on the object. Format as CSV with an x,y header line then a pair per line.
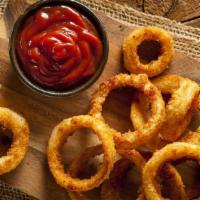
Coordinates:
x,y
186,11
43,113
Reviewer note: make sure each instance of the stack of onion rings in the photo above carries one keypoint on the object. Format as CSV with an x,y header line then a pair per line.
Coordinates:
x,y
140,82
155,129
119,169
76,186
178,114
111,188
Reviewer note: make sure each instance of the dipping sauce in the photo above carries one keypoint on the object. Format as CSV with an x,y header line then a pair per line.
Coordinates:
x,y
59,48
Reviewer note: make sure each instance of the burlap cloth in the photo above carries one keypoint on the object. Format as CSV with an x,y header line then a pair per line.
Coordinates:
x,y
187,40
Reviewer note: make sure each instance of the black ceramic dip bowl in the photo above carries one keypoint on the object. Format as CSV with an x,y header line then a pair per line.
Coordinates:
x,y
58,48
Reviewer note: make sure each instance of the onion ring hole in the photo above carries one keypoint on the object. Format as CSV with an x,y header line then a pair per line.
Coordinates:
x,y
77,143
116,109
149,50
5,140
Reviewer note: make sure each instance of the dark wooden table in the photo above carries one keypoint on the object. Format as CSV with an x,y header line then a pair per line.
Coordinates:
x,y
44,113
185,11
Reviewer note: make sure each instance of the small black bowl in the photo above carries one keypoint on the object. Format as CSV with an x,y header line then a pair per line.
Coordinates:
x,y
83,10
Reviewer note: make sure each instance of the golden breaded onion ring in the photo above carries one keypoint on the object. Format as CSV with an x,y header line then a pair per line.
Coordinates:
x,y
60,135
174,181
170,152
82,159
120,167
140,82
110,189
178,113
139,117
20,129
130,49
198,102
192,137
78,164
173,184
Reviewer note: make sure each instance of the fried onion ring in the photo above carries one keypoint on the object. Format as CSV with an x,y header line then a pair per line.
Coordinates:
x,y
192,137
60,135
178,113
175,183
198,103
130,49
111,188
82,159
78,164
139,118
170,152
141,82
120,168
20,129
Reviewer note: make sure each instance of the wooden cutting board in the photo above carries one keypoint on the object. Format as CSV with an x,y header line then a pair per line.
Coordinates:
x,y
43,113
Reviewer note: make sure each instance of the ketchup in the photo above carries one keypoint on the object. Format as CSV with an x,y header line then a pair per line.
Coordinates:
x,y
58,47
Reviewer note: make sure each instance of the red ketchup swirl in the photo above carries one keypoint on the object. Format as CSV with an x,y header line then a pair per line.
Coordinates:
x,y
58,47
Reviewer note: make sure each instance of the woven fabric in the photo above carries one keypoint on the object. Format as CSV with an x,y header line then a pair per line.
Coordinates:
x,y
187,40
9,193
3,4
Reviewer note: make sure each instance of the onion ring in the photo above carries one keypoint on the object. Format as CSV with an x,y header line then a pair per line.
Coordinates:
x,y
170,152
174,182
130,49
78,164
76,195
179,88
141,197
61,133
192,137
111,188
82,159
141,82
20,129
120,168
199,102
139,118
178,113
173,185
